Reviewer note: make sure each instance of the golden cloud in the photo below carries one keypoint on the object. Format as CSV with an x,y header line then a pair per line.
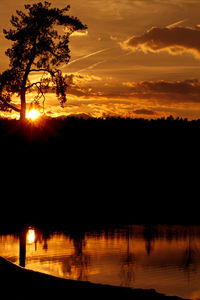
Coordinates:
x,y
80,33
174,40
171,92
186,91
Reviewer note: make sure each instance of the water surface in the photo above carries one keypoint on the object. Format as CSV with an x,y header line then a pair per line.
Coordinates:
x,y
166,258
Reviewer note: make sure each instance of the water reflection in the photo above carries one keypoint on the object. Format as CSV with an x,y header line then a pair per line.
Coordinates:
x,y
127,273
22,248
30,236
27,236
189,257
79,260
166,258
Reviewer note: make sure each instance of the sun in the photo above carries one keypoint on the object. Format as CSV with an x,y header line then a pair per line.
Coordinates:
x,y
32,114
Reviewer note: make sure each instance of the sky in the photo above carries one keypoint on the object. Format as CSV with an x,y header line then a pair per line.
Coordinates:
x,y
138,58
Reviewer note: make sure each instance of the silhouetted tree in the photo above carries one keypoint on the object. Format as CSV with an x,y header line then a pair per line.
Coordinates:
x,y
40,41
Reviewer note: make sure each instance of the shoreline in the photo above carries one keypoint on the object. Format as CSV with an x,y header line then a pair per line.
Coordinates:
x,y
21,283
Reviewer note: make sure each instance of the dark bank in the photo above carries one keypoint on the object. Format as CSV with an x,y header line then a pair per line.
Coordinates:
x,y
31,284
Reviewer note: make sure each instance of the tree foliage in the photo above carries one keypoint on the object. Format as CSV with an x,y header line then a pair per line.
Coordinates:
x,y
40,43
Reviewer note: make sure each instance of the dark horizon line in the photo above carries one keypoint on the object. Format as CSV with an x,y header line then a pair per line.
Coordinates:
x,y
102,118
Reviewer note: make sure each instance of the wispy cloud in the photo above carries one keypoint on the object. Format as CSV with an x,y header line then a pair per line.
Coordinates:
x,y
92,66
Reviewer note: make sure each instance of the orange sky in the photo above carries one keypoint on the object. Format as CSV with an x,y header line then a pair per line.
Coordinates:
x,y
137,58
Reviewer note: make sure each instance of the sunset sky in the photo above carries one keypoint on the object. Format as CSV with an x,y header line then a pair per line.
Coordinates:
x,y
137,58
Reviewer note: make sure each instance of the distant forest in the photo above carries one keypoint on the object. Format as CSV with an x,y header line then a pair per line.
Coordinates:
x,y
117,134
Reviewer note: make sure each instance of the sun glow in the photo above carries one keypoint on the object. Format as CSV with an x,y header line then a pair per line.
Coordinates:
x,y
32,114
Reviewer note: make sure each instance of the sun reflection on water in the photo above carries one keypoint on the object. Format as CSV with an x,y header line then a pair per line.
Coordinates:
x,y
30,236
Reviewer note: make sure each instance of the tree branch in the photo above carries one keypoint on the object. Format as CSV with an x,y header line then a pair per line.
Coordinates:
x,y
43,70
31,85
9,105
40,94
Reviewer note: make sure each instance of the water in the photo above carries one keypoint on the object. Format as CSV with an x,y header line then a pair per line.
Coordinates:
x,y
166,258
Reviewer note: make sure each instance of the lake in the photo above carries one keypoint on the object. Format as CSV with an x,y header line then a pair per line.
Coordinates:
x,y
166,258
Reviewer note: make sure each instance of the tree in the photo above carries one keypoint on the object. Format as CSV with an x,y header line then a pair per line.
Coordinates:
x,y
40,38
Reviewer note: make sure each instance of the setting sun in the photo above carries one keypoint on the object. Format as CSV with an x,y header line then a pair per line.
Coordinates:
x,y
32,114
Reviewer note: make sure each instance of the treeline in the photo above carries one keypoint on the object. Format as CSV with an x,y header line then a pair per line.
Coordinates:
x,y
110,133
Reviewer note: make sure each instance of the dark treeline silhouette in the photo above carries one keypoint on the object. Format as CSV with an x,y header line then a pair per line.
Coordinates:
x,y
117,133
96,171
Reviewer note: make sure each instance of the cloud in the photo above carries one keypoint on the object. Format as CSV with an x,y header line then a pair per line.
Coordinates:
x,y
174,40
144,99
80,85
80,33
186,91
160,91
79,78
144,111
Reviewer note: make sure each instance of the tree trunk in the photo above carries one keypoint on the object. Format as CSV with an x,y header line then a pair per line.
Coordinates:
x,y
25,78
23,106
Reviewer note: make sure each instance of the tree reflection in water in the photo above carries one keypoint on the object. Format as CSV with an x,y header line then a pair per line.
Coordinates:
x,y
75,266
149,234
77,263
189,263
28,236
127,274
129,256
22,248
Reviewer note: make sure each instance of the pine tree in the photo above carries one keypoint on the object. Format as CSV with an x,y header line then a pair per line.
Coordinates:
x,y
40,43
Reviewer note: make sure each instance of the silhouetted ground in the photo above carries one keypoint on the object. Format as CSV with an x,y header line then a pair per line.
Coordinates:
x,y
83,172
19,283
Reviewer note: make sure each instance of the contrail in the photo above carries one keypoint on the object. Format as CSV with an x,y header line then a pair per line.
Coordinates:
x,y
176,23
93,65
105,60
88,55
